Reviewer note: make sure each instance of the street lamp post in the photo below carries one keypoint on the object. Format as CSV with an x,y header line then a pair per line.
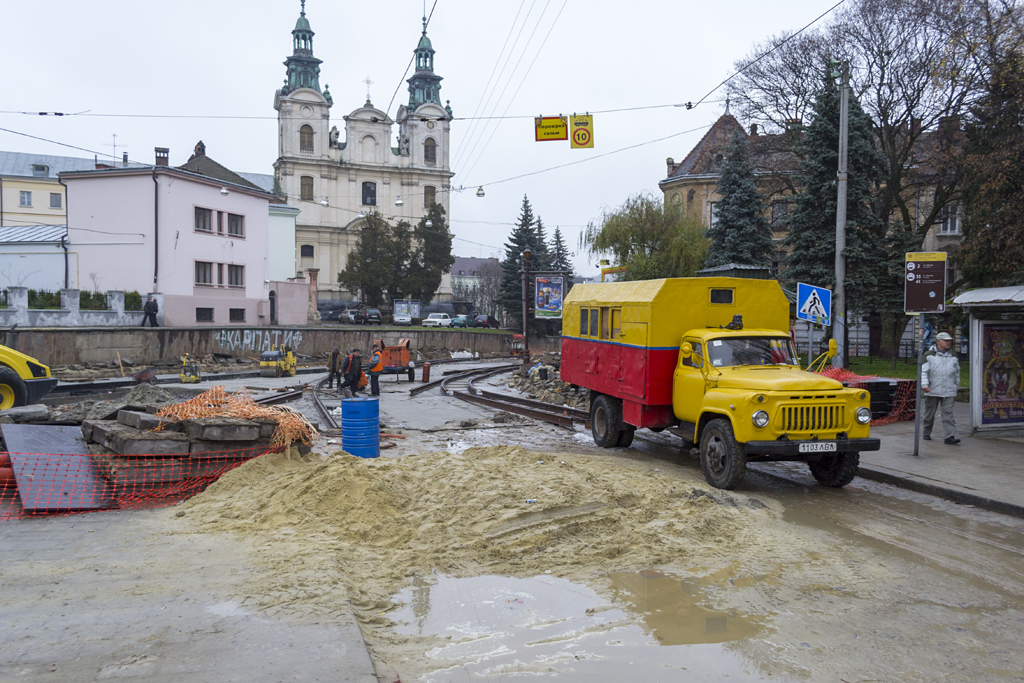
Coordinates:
x,y
527,253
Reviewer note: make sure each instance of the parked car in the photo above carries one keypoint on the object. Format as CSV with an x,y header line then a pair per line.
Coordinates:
x,y
368,316
347,316
486,321
402,319
462,321
437,320
335,314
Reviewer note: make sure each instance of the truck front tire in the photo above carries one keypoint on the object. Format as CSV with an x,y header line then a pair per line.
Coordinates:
x,y
723,460
836,470
13,391
606,421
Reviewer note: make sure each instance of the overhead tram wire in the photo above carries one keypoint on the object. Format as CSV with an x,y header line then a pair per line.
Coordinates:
x,y
521,82
473,119
411,60
461,155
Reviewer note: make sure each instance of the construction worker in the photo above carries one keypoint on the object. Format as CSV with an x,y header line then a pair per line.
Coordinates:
x,y
351,371
376,367
333,368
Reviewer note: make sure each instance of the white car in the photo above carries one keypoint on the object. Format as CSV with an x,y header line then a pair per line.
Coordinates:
x,y
401,319
437,320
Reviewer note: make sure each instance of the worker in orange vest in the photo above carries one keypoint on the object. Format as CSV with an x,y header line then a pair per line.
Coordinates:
x,y
376,367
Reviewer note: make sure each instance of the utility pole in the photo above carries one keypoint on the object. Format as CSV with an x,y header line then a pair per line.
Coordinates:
x,y
527,253
839,304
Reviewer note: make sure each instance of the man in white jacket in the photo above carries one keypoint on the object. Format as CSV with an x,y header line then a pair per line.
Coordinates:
x,y
940,379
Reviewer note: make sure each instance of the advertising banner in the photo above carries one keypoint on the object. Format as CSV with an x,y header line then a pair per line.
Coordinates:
x,y
548,302
411,308
1002,387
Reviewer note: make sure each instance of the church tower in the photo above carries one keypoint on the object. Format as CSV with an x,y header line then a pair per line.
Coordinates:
x,y
303,108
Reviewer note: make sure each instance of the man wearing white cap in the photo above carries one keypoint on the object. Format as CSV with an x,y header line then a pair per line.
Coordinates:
x,y
940,379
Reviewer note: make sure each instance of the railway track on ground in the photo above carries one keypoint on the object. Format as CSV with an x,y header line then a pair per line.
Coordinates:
x,y
462,387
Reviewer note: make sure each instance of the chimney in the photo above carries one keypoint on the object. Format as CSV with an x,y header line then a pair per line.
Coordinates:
x,y
670,163
124,159
162,155
753,130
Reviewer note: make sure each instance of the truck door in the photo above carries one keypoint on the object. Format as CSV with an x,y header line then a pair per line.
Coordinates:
x,y
689,387
633,360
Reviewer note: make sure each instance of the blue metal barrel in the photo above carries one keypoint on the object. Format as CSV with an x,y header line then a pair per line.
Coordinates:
x,y
360,427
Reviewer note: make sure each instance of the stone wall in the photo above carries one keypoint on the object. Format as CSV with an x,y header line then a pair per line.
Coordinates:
x,y
147,345
69,315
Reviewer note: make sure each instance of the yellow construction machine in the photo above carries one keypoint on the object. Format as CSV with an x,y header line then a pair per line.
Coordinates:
x,y
278,362
189,370
23,379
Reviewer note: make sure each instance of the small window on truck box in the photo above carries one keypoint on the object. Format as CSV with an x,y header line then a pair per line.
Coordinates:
x,y
593,321
584,319
721,296
606,323
616,323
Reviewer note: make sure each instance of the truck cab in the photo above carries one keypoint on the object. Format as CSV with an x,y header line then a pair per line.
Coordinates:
x,y
737,392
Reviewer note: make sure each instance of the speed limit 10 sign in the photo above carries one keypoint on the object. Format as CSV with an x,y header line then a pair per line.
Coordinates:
x,y
924,278
581,132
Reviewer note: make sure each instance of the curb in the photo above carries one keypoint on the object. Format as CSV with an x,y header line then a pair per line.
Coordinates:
x,y
959,497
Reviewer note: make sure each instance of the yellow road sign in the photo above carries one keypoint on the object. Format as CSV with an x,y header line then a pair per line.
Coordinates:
x,y
582,135
551,128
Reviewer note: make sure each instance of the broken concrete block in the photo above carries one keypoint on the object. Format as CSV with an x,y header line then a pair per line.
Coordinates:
x,y
221,429
267,427
144,421
37,412
133,472
129,441
228,449
98,431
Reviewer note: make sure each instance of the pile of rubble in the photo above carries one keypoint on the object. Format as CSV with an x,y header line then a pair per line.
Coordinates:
x,y
544,383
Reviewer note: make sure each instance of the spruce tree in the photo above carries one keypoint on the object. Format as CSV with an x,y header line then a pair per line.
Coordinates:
x,y
741,233
812,225
541,253
511,297
561,260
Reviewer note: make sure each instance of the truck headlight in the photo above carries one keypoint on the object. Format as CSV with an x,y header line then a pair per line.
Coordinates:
x,y
863,415
760,419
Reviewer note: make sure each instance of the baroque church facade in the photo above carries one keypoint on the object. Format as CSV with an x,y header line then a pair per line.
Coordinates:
x,y
335,177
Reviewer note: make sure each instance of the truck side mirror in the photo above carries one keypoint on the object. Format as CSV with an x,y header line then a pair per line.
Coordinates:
x,y
686,350
833,348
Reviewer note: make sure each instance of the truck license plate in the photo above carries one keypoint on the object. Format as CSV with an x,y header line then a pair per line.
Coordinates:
x,y
817,447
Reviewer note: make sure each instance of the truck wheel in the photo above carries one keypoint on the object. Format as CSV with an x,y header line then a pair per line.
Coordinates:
x,y
723,460
13,391
606,422
412,375
835,470
626,435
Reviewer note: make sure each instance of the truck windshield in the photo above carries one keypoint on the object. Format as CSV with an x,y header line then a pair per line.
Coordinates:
x,y
752,351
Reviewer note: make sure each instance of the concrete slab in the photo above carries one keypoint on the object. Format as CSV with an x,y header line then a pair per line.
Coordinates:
x,y
228,449
144,421
221,429
134,472
128,441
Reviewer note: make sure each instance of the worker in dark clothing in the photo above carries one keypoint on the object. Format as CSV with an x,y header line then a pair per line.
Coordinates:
x,y
150,310
376,367
334,368
352,372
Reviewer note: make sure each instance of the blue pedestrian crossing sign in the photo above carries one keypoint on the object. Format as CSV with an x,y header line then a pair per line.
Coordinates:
x,y
814,304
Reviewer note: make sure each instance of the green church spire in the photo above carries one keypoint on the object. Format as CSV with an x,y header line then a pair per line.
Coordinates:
x,y
425,85
303,67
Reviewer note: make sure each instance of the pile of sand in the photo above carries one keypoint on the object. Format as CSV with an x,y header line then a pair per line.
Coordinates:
x,y
340,528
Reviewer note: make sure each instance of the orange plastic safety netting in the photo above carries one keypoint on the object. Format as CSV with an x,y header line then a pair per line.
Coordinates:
x,y
900,399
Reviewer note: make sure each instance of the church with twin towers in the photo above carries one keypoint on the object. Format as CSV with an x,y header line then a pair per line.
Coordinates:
x,y
337,174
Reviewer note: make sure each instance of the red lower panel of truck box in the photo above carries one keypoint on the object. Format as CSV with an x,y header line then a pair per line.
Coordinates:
x,y
634,373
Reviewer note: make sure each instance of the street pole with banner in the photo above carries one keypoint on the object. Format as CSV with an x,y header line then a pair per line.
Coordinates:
x,y
924,291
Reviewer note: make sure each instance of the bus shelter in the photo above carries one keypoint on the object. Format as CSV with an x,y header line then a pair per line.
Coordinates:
x,y
996,350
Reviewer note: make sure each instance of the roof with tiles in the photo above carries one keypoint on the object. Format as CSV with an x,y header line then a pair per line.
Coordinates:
x,y
201,164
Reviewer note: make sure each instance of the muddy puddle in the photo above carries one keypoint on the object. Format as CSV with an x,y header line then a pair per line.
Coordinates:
x,y
657,626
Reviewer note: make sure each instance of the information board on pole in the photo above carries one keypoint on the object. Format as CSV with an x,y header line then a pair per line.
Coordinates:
x,y
549,298
925,282
551,128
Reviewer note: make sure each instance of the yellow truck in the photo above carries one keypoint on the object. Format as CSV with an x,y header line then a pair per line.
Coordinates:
x,y
711,360
23,379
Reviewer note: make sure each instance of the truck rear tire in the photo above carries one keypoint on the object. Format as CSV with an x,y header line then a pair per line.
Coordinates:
x,y
626,435
836,470
13,391
412,375
606,421
723,460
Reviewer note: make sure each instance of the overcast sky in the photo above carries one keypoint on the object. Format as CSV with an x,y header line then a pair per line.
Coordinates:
x,y
223,58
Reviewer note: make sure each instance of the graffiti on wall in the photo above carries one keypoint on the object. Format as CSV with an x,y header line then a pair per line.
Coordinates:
x,y
233,341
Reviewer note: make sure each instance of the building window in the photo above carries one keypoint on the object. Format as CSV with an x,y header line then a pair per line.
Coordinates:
x,y
712,214
950,218
236,276
306,251
204,315
236,225
430,152
56,200
236,315
204,218
306,139
306,188
220,273
26,198
429,193
369,194
40,171
780,210
204,273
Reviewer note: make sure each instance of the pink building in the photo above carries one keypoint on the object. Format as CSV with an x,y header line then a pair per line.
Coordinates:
x,y
200,241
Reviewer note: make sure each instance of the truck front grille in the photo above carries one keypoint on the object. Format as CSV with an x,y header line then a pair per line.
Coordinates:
x,y
811,418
